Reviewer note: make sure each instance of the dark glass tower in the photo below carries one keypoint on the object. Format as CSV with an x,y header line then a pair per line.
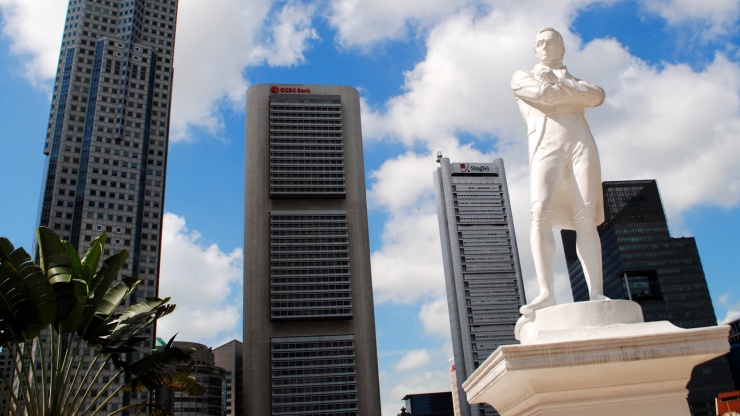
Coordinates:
x,y
309,323
108,133
642,262
483,275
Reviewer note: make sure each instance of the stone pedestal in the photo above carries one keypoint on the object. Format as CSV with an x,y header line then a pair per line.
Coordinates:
x,y
594,358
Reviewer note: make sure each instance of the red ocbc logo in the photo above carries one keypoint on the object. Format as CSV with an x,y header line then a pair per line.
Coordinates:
x,y
275,89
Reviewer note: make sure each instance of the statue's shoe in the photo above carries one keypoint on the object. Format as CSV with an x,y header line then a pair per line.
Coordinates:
x,y
538,303
598,297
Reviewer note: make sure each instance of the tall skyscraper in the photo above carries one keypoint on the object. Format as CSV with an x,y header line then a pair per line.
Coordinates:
x,y
309,325
481,261
108,133
642,262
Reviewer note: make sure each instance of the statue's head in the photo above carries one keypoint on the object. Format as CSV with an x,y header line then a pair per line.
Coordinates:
x,y
549,47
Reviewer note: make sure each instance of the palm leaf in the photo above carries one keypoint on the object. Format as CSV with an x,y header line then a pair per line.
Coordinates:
x,y
71,300
103,300
99,323
133,320
158,370
61,263
92,258
27,302
54,252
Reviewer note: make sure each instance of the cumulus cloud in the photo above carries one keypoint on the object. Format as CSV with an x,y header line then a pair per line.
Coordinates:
x,y
362,23
289,35
408,267
717,17
731,308
435,318
432,376
216,41
205,283
35,32
665,123
413,360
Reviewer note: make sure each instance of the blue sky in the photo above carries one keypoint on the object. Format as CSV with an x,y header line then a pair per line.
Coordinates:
x,y
433,75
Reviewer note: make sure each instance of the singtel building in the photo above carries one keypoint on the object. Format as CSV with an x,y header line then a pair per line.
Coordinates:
x,y
309,327
482,272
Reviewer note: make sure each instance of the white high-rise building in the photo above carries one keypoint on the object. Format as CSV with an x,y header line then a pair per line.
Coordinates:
x,y
482,272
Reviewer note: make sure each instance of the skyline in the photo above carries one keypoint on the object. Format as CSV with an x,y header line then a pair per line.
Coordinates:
x,y
431,77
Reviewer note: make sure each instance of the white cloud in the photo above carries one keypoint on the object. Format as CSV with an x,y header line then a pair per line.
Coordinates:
x,y
433,376
291,31
665,123
413,360
731,308
204,282
215,42
402,181
716,17
365,22
35,32
435,318
408,267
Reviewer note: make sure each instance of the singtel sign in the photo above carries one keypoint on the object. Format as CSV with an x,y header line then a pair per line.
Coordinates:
x,y
473,167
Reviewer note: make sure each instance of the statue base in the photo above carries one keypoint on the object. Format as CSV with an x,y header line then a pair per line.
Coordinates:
x,y
591,358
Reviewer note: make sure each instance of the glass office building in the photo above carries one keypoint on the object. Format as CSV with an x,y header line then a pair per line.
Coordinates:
x,y
107,136
482,271
642,262
309,327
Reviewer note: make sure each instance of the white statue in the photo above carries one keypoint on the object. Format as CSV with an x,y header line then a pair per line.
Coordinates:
x,y
565,176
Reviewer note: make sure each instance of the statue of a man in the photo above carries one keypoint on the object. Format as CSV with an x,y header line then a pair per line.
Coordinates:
x,y
565,176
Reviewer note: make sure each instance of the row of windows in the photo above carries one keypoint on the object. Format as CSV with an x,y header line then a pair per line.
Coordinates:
x,y
334,394
488,267
295,296
477,195
300,107
485,242
309,272
306,241
297,225
299,280
314,380
485,250
309,267
311,290
312,353
480,188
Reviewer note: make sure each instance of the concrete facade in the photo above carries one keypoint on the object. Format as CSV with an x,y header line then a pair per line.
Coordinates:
x,y
309,327
482,271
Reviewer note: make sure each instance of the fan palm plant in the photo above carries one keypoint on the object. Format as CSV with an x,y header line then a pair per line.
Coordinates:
x,y
63,323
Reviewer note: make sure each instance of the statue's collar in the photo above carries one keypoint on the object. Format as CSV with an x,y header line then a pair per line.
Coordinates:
x,y
542,67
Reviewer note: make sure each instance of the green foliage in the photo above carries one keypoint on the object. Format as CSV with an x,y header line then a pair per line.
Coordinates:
x,y
76,305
